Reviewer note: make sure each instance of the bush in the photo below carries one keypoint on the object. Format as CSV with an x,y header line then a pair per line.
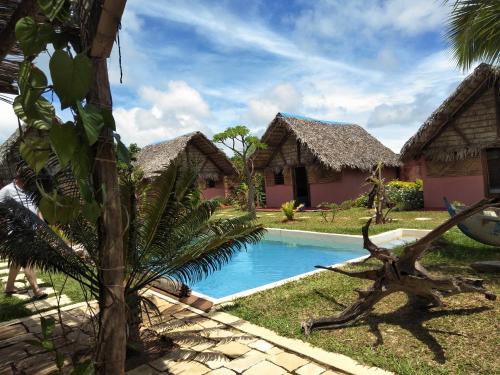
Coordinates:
x,y
288,209
361,201
406,195
328,208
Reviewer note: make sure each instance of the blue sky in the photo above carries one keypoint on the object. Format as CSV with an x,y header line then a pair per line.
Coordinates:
x,y
205,65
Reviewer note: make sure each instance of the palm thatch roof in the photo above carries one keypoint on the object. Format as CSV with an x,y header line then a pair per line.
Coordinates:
x,y
483,77
155,157
335,145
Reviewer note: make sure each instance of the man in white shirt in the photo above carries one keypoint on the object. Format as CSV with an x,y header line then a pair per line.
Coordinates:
x,y
15,191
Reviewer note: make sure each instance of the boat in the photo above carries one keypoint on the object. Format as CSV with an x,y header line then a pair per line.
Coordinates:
x,y
483,227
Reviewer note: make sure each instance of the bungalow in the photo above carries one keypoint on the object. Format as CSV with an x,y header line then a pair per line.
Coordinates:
x,y
192,148
456,151
315,161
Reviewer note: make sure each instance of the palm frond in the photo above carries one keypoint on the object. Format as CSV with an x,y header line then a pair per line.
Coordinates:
x,y
25,239
474,31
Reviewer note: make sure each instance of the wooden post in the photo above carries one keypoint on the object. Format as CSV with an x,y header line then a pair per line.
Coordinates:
x,y
111,350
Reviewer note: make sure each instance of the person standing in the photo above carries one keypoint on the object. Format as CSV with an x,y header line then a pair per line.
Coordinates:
x,y
15,191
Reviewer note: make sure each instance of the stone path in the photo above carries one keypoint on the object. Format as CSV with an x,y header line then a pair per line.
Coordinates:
x,y
214,343
22,283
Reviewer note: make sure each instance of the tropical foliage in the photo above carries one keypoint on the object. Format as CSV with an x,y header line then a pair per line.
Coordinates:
x,y
167,233
406,195
289,209
474,31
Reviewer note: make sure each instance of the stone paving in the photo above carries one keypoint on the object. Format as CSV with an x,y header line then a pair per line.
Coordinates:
x,y
214,343
22,283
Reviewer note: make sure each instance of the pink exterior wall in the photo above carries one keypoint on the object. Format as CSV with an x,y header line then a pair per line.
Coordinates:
x,y
277,194
465,189
216,192
350,186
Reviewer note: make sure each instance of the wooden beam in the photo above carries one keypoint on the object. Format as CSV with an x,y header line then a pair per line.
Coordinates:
x,y
278,149
108,25
8,36
460,133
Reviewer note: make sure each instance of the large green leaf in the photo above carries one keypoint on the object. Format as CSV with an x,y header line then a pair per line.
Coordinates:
x,y
37,83
71,77
64,141
35,151
51,8
58,209
33,37
81,161
91,211
122,152
92,121
43,111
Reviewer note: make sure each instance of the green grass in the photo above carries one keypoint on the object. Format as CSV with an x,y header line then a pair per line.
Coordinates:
x,y
460,338
348,221
15,308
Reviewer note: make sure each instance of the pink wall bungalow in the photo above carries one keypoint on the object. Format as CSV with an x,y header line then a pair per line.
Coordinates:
x,y
315,161
194,149
457,150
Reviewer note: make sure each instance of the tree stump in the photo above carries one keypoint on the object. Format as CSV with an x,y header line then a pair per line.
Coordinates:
x,y
405,274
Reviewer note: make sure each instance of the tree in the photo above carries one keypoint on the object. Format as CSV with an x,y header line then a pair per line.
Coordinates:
x,y
84,147
403,273
167,232
474,31
378,195
239,141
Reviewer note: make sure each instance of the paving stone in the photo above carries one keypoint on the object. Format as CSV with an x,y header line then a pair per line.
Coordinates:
x,y
246,361
265,368
49,303
142,370
161,364
232,349
331,372
203,346
19,278
4,264
187,368
310,369
261,345
213,360
7,332
209,323
288,361
221,371
275,350
49,290
217,333
13,353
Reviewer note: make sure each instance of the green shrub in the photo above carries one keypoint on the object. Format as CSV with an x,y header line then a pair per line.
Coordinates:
x,y
406,195
328,208
361,201
288,209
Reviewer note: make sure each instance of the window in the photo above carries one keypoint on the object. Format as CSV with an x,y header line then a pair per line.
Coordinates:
x,y
493,166
209,183
279,178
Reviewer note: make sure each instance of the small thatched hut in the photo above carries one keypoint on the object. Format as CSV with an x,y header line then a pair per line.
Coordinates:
x,y
193,149
315,161
457,150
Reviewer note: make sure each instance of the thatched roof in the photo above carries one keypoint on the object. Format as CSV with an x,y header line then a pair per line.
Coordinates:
x,y
155,157
481,78
335,145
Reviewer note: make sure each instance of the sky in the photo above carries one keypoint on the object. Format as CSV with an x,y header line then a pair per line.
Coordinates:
x,y
205,65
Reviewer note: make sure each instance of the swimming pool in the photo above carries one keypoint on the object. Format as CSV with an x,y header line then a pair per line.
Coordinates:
x,y
280,256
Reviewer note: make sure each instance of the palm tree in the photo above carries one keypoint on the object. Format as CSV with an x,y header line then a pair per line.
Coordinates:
x,y
474,31
168,233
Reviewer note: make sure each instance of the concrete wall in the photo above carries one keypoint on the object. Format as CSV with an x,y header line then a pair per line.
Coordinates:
x,y
349,186
467,189
277,194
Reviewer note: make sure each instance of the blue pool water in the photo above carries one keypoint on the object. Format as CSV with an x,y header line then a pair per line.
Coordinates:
x,y
270,261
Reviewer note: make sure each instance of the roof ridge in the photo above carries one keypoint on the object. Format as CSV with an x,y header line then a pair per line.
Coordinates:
x,y
305,118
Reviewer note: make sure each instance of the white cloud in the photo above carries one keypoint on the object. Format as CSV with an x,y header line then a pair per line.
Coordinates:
x,y
167,114
8,120
280,98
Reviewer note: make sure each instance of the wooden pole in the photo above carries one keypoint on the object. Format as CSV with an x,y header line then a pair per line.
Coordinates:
x,y
111,348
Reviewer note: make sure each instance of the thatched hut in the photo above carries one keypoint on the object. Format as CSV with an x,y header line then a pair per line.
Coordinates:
x,y
457,150
315,161
191,149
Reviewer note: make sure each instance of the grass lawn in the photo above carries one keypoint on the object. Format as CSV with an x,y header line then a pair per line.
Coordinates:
x,y
15,308
348,221
461,338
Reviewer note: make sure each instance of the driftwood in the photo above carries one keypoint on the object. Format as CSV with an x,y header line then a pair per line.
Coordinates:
x,y
403,273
